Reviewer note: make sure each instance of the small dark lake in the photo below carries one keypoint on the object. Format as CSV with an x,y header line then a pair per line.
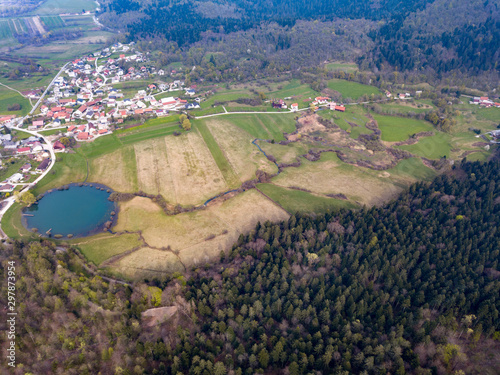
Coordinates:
x,y
78,210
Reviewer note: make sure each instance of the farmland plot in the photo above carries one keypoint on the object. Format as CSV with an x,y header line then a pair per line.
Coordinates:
x,y
153,169
193,238
243,156
117,170
195,174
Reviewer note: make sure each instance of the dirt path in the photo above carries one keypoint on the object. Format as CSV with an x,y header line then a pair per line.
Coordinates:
x,y
19,92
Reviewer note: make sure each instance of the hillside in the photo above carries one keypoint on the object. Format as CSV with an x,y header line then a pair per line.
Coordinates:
x,y
434,38
411,287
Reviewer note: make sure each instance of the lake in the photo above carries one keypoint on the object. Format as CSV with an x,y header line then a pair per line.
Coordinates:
x,y
77,210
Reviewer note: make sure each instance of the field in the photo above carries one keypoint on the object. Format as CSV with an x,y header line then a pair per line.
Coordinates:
x,y
190,238
221,153
53,22
241,155
346,67
65,6
350,89
104,246
9,98
300,201
396,129
360,185
433,147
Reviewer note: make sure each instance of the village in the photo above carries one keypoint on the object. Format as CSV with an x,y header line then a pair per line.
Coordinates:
x,y
95,95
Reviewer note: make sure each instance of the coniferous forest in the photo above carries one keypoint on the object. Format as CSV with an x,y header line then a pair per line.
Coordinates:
x,y
411,287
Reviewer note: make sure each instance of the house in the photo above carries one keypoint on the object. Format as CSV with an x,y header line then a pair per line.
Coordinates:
x,y
16,178
190,92
38,123
321,99
340,108
43,165
83,136
6,188
23,150
294,107
58,146
26,168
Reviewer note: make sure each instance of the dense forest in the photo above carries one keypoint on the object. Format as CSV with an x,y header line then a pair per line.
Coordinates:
x,y
411,287
434,39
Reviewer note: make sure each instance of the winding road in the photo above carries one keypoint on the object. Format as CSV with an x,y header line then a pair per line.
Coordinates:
x,y
8,202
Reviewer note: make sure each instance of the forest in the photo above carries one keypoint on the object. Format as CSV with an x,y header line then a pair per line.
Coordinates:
x,y
411,287
430,38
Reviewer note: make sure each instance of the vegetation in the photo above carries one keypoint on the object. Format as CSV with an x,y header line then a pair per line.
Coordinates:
x,y
409,287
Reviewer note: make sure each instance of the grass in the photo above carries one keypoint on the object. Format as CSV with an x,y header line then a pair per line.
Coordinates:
x,y
59,6
51,131
99,248
52,22
151,133
396,129
9,97
352,90
399,108
67,169
227,171
264,126
154,122
490,114
12,223
10,168
433,147
300,201
100,146
412,169
346,67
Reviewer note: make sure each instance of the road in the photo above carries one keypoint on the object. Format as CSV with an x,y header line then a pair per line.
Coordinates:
x,y
11,200
48,88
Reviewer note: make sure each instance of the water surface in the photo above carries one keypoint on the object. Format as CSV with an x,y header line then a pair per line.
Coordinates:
x,y
78,210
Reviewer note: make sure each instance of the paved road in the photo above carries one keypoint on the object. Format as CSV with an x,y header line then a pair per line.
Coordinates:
x,y
48,88
11,200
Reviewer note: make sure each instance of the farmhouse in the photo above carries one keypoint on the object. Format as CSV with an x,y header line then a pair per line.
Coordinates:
x,y
340,108
294,107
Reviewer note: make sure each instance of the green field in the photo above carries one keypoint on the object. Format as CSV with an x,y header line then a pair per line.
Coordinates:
x,y
433,147
5,30
350,89
53,22
346,67
263,126
300,201
12,223
65,6
99,248
9,98
396,129
397,108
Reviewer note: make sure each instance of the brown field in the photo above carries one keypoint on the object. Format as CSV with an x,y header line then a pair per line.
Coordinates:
x,y
195,174
154,174
147,262
331,176
244,157
188,234
113,170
